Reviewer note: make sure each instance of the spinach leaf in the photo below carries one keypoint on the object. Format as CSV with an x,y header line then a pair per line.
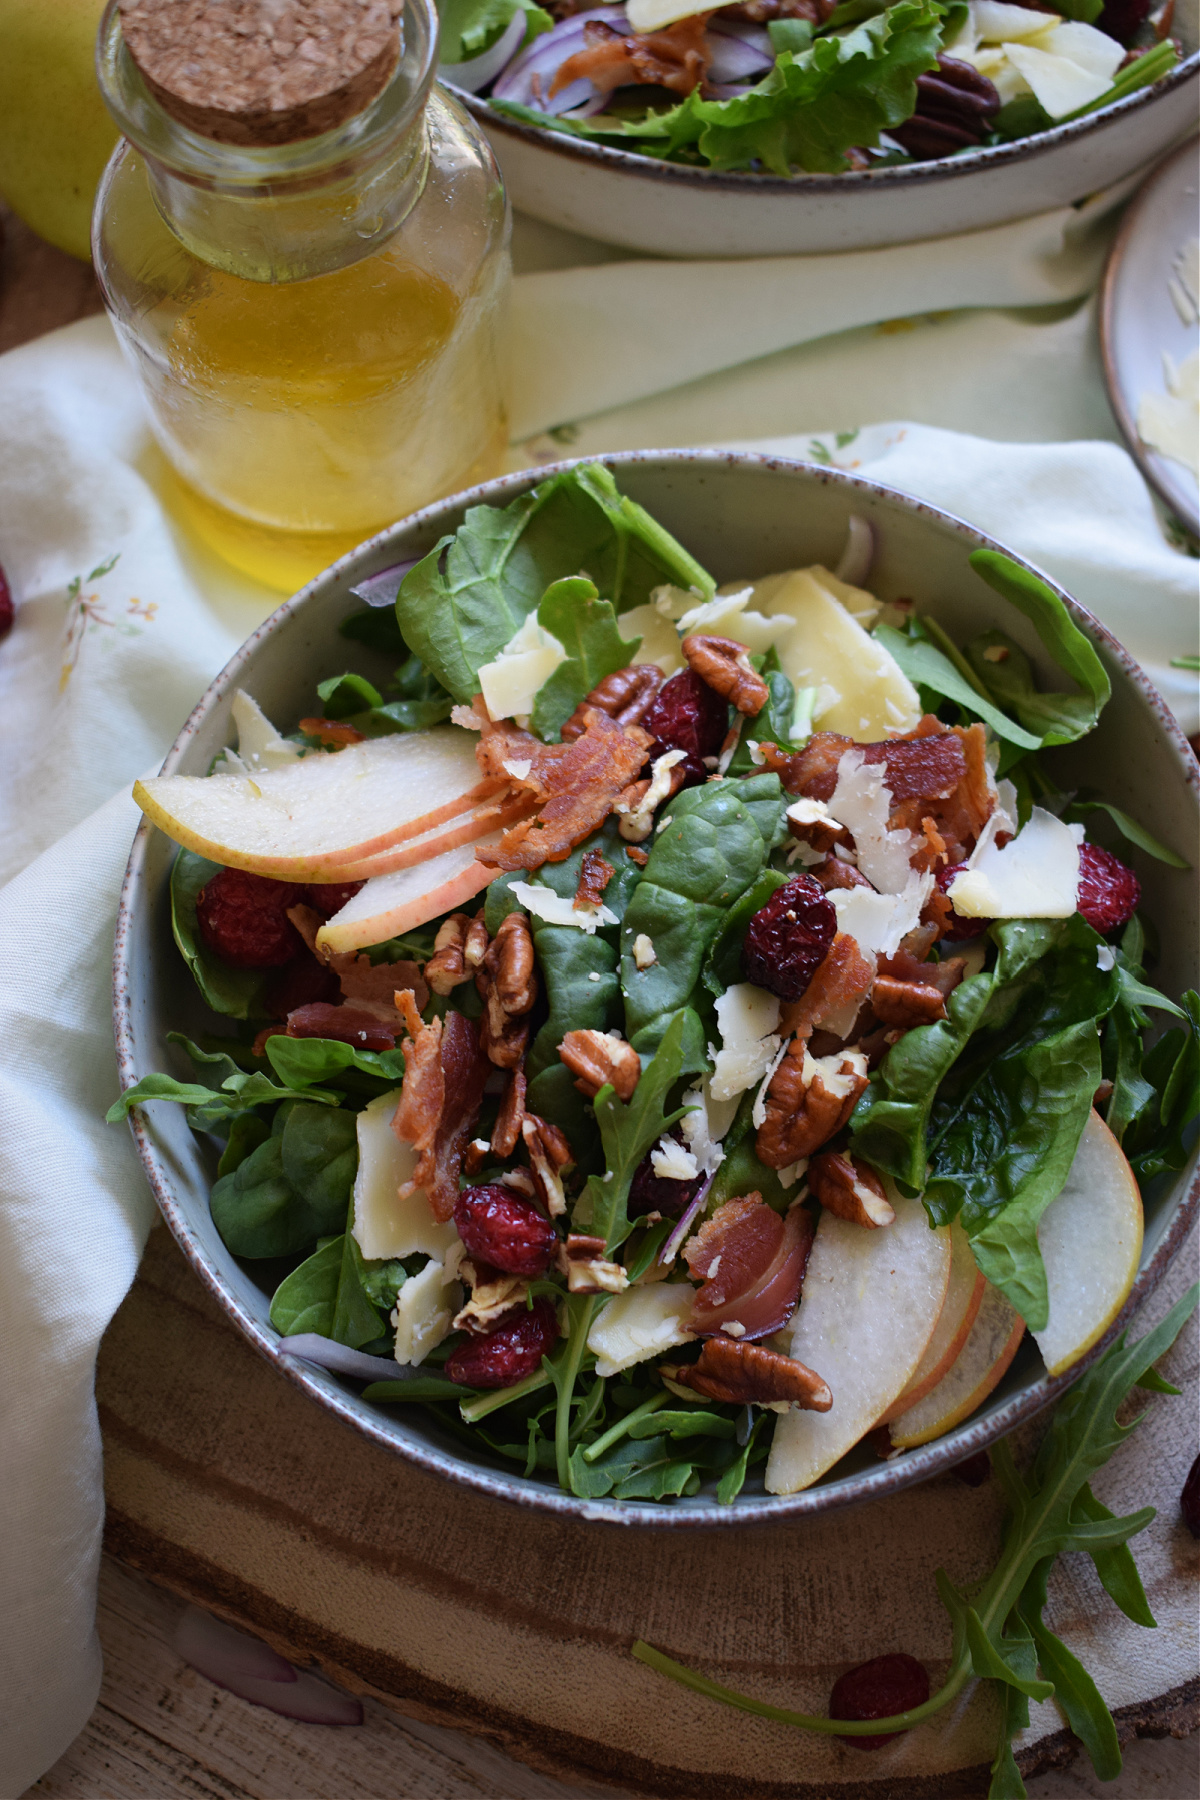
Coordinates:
x,y
238,993
302,1061
708,850
734,1479
305,1299
355,1319
776,721
320,1155
1159,1136
246,1132
1060,717
928,667
417,1388
376,627
471,594
343,695
723,964
293,1189
586,626
353,699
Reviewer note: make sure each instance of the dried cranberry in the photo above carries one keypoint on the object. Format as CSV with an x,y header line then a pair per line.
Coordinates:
x,y
345,1023
788,938
300,983
1121,19
330,899
1109,891
505,1230
876,1690
1189,1499
509,1352
7,610
686,714
974,1470
959,928
657,1193
243,919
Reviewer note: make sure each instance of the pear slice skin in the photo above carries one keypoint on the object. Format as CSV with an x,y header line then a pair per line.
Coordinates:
x,y
868,1308
471,829
992,1342
964,1296
1091,1243
400,901
324,812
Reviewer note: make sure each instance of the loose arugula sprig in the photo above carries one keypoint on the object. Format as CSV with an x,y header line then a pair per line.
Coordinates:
x,y
999,1634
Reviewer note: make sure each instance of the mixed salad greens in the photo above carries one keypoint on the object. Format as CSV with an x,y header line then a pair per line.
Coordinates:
x,y
649,1133
782,86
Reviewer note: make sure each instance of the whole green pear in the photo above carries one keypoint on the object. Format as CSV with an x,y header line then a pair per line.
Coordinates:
x,y
55,132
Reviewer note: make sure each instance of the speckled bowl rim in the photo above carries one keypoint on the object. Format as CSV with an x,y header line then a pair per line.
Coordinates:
x,y
924,174
1106,318
870,1484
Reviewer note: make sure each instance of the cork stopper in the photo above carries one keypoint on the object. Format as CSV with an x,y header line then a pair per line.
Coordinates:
x,y
263,72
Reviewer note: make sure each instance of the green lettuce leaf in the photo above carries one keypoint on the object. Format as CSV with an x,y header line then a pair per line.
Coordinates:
x,y
586,627
469,27
471,594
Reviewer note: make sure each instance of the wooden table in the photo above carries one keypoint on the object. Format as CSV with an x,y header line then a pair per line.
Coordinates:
x,y
160,1730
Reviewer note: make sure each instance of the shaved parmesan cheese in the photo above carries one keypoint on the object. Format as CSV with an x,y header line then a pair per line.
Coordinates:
x,y
526,663
660,640
259,744
747,1017
838,1073
879,922
672,1162
641,1322
862,802
1036,876
998,23
810,812
383,1224
726,616
758,1112
1060,86
558,909
1083,45
703,1127
425,1309
518,767
863,607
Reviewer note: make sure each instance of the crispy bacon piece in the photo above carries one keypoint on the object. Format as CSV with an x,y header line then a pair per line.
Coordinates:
x,y
580,784
751,1262
594,877
835,993
444,1075
927,765
834,873
738,1373
676,58
371,987
333,734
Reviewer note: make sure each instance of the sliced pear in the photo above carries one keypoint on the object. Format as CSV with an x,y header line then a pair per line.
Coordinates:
x,y
383,1224
472,828
829,648
1090,1238
391,904
325,811
869,1306
964,1295
992,1342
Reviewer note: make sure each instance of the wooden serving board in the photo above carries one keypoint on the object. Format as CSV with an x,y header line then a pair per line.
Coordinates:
x,y
227,1485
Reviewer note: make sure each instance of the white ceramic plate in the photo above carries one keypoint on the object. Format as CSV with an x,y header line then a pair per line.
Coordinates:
x,y
741,515
667,209
1139,320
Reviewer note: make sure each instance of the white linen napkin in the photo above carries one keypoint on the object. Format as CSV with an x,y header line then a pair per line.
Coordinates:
x,y
108,656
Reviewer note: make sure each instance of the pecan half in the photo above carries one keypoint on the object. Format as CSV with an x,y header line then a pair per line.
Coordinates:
x,y
625,696
507,1128
736,1372
458,949
955,109
507,984
850,1188
809,1099
635,808
594,876
549,1153
725,666
587,1269
906,1003
596,1058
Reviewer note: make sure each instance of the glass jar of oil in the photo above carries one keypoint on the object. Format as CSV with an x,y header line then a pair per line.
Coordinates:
x,y
317,326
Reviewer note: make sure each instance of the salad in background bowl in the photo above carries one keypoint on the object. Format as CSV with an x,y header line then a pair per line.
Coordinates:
x,y
688,1032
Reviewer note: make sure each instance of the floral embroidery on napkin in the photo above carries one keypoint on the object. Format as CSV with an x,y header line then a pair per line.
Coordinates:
x,y
86,613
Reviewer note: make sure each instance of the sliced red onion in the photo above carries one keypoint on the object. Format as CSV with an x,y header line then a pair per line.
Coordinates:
x,y
243,1665
543,58
736,55
380,590
670,1249
859,553
475,74
339,1357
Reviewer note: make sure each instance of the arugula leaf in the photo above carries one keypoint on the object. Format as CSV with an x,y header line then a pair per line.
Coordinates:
x,y
471,594
635,1469
734,1479
1061,717
809,109
628,1129
416,1388
1130,830
586,627
238,993
212,1108
998,1632
343,695
928,667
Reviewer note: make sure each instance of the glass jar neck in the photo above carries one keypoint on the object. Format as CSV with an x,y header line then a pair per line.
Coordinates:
x,y
285,211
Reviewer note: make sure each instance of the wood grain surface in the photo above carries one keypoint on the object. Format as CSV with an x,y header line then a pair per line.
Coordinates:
x,y
233,1489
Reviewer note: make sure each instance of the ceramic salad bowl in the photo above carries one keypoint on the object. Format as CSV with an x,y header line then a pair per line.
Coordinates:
x,y
672,209
740,515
